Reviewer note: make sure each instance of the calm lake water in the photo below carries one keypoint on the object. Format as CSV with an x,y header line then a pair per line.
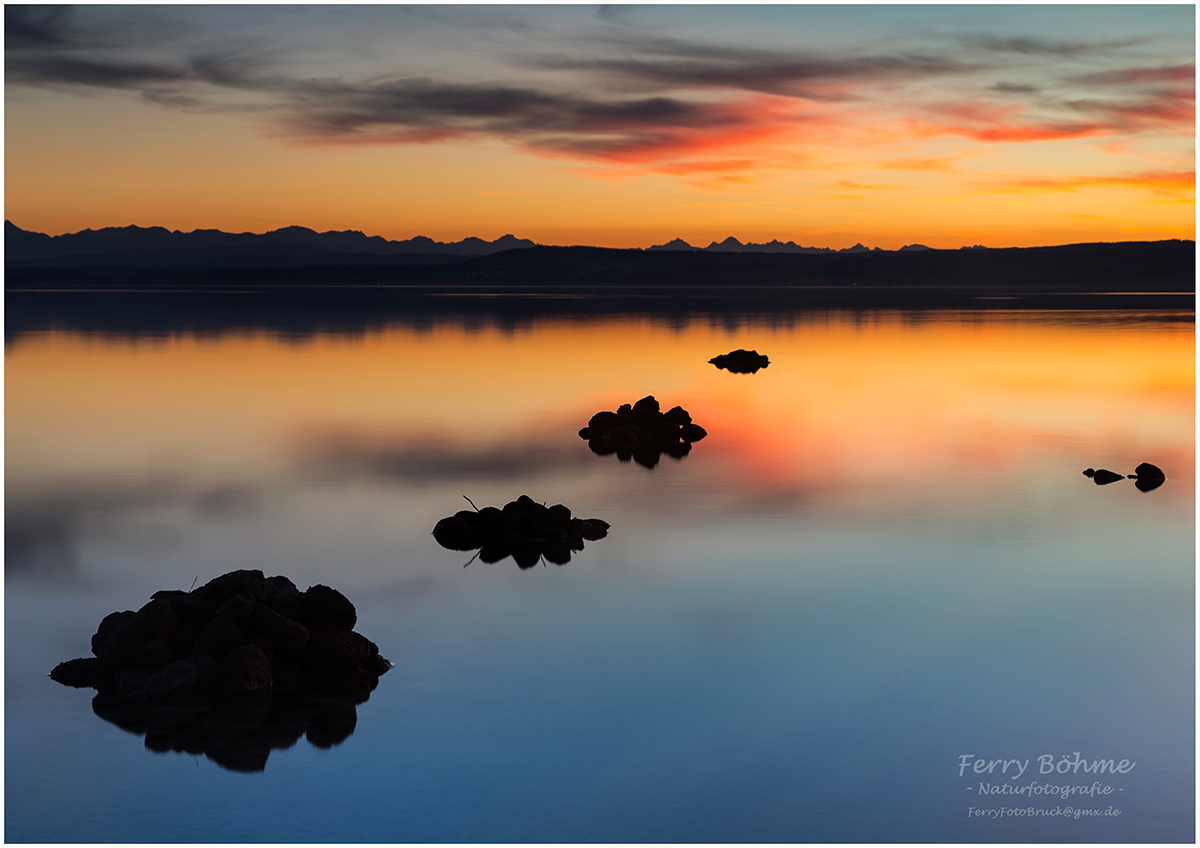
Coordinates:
x,y
882,559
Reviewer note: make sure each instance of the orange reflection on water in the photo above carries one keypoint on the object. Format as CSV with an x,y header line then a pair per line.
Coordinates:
x,y
846,401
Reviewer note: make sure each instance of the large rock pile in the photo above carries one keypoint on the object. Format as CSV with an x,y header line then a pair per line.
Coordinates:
x,y
642,433
524,529
240,635
741,361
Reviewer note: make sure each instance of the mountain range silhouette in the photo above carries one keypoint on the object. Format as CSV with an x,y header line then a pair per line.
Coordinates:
x,y
134,257
142,246
135,246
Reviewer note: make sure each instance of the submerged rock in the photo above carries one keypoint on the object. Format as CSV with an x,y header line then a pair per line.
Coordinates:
x,y
524,529
741,361
642,433
228,640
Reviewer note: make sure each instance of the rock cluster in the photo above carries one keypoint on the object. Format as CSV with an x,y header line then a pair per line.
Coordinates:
x,y
741,361
1147,475
642,433
240,635
523,529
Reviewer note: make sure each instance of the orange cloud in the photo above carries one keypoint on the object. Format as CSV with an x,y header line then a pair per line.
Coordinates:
x,y
1158,181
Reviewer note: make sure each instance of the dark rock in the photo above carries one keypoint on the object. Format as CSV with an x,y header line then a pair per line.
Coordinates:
x,y
145,685
128,683
80,673
208,672
284,598
155,653
602,421
171,681
1148,484
524,529
265,645
1146,471
245,671
741,361
106,626
524,524
287,635
104,631
160,617
123,640
627,437
219,637
592,529
323,605
456,534
333,652
678,416
252,584
287,674
490,519
1102,477
641,432
647,404
1089,472
237,607
190,608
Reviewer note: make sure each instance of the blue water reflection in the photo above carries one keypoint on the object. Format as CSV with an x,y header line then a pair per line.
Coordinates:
x,y
771,645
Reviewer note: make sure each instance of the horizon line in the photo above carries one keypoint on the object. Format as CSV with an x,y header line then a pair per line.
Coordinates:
x,y
915,245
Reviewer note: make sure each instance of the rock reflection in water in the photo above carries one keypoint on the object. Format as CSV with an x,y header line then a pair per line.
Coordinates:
x,y
238,736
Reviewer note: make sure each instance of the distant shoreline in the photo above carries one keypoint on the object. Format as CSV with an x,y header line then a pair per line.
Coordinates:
x,y
1167,266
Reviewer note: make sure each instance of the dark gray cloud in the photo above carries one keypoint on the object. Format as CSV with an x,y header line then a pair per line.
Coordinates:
x,y
1044,47
1182,74
1156,107
1014,88
676,64
61,69
554,121
36,26
617,94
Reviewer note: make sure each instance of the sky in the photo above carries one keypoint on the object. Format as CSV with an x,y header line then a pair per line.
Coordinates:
x,y
618,126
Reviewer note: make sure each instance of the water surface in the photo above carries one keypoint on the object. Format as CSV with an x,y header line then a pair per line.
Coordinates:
x,y
882,558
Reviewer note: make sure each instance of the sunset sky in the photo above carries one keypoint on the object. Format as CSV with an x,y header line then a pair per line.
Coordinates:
x,y
619,126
